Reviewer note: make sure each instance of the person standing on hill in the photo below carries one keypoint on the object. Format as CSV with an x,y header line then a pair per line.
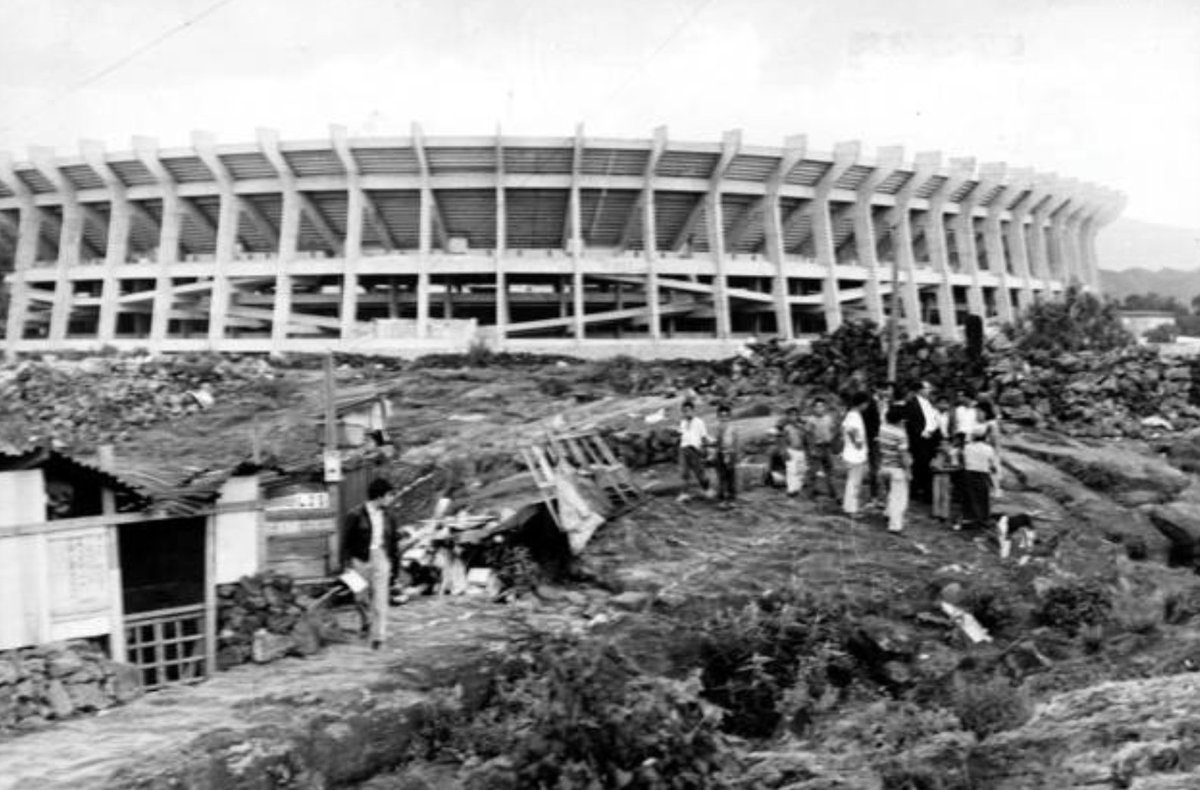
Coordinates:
x,y
923,423
980,466
894,464
728,444
854,453
371,550
792,434
873,422
819,430
693,436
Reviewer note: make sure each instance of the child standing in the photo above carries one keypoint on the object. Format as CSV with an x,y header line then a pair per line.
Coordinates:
x,y
727,446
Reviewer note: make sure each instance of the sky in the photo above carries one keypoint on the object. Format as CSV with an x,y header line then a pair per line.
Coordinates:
x,y
1100,90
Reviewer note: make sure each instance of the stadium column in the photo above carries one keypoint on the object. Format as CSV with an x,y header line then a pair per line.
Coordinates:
x,y
794,148
964,236
993,239
1059,264
935,241
731,143
424,234
289,237
903,245
1019,199
1042,203
1063,223
168,240
650,234
845,154
356,203
119,226
228,216
70,241
1075,241
502,316
575,240
887,160
1107,208
29,229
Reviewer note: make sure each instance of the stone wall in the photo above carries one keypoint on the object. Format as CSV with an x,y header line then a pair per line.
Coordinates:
x,y
60,680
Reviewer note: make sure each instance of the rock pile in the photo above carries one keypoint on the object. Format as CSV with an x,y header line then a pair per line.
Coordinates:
x,y
265,617
1086,393
1095,393
74,404
60,680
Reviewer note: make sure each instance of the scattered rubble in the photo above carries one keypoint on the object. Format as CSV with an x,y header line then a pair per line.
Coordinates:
x,y
61,680
77,404
265,617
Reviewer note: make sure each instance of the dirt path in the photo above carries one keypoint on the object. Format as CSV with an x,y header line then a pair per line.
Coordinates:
x,y
257,719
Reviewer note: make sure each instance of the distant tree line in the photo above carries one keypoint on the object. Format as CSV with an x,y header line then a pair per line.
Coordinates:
x,y
1187,317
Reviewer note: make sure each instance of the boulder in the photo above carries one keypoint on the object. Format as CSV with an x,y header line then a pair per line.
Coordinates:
x,y
1180,523
1136,734
88,697
1114,470
269,647
1114,522
61,704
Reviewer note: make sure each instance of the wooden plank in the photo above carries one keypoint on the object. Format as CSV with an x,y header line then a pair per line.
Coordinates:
x,y
65,524
209,625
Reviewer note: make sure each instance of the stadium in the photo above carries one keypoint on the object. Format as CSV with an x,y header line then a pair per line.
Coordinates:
x,y
576,245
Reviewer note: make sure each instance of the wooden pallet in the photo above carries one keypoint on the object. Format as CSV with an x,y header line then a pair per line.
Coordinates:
x,y
588,453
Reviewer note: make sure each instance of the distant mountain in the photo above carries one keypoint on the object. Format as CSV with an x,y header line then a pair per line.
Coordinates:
x,y
1143,257
1182,285
1133,244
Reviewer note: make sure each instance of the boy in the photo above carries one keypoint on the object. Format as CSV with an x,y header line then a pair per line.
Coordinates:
x,y
792,435
728,446
980,465
693,436
894,464
819,429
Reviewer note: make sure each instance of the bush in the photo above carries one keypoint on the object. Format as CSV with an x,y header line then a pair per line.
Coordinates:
x,y
774,662
1138,613
1070,607
991,707
1078,321
576,714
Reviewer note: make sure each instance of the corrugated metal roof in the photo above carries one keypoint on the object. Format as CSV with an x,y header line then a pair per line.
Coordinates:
x,y
44,457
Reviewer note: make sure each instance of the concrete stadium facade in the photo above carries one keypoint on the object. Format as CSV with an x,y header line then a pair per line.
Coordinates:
x,y
576,245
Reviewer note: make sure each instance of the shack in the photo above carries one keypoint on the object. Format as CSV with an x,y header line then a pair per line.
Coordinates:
x,y
87,554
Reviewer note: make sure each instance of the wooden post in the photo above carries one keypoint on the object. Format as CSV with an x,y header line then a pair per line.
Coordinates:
x,y
210,595
893,324
331,445
116,640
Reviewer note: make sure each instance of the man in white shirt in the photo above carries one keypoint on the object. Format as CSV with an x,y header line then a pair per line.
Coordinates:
x,y
966,417
854,452
693,436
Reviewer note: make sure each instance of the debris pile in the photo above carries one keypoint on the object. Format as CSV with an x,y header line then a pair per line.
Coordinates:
x,y
60,680
78,404
265,617
1131,391
1126,392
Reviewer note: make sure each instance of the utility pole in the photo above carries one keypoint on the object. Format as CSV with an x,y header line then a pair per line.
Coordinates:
x,y
332,460
893,317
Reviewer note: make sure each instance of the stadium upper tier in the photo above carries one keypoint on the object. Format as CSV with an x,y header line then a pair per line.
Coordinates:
x,y
576,244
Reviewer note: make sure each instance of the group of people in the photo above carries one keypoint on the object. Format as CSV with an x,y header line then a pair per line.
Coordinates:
x,y
916,449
